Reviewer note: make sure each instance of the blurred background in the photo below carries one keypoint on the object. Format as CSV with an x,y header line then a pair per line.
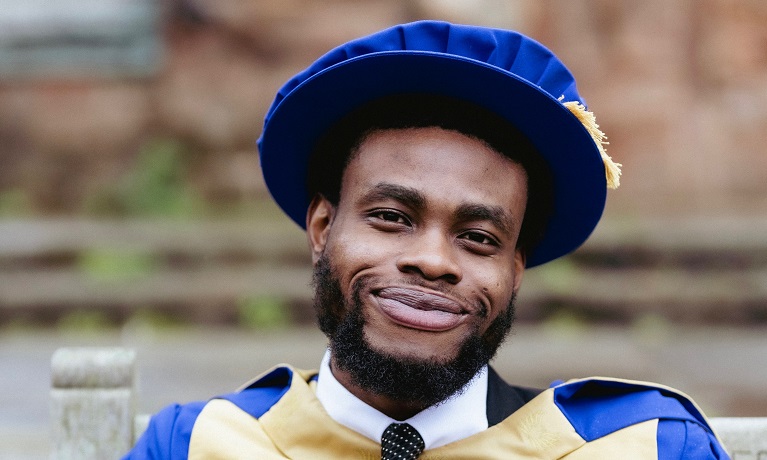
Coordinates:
x,y
132,209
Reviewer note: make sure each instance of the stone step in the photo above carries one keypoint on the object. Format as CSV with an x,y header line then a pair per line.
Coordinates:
x,y
691,269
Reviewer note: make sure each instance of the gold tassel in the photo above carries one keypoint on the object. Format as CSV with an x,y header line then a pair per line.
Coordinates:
x,y
612,169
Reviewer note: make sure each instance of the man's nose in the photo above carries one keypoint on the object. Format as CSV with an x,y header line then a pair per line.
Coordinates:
x,y
432,255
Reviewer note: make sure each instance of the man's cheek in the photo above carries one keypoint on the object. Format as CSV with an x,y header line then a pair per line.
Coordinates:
x,y
353,257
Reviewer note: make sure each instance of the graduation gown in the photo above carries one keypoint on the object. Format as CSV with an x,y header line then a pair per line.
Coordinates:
x,y
278,416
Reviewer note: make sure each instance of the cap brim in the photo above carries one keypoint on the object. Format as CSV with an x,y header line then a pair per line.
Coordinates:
x,y
311,108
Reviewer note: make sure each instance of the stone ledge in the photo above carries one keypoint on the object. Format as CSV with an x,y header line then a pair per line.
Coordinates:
x,y
91,368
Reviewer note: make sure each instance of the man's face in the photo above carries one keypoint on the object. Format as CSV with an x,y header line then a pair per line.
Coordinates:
x,y
422,245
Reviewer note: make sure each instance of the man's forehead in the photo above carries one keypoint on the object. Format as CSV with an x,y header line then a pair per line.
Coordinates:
x,y
423,166
432,145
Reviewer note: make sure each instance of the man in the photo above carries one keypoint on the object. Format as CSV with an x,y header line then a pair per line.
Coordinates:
x,y
431,164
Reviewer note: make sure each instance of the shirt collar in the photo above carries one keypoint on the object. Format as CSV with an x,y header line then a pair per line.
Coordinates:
x,y
348,410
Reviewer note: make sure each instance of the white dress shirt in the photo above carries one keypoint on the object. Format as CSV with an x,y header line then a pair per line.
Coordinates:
x,y
460,416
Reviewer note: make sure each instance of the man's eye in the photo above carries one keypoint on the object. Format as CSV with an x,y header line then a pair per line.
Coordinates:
x,y
391,216
480,238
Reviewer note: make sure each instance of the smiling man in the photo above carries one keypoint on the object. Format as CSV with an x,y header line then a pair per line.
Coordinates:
x,y
430,165
423,244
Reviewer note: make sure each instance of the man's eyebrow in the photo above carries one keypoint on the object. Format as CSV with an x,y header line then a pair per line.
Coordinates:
x,y
496,215
387,191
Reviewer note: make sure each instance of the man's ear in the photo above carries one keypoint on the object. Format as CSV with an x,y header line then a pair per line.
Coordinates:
x,y
520,259
319,218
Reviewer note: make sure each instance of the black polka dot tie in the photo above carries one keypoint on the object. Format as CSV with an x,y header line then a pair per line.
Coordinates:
x,y
400,441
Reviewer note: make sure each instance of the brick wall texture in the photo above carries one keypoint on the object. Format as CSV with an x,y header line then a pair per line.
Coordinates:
x,y
679,86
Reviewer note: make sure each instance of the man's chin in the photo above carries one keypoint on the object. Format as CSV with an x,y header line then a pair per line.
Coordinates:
x,y
392,365
413,351
395,371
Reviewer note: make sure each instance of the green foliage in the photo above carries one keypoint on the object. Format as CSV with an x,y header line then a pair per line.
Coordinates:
x,y
263,313
148,319
558,276
156,187
14,203
84,321
116,264
565,323
652,328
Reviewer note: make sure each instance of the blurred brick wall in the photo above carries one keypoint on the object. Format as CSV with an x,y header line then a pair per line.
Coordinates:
x,y
680,87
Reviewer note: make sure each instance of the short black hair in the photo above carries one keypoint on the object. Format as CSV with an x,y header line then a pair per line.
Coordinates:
x,y
338,145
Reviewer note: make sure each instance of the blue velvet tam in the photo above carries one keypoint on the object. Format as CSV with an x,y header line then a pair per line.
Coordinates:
x,y
500,70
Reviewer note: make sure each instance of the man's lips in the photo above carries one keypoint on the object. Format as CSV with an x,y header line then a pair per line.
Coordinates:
x,y
419,309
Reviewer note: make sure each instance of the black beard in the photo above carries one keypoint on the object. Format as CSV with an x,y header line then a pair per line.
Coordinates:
x,y
422,382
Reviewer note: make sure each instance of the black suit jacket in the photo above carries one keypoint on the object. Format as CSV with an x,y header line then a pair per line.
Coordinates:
x,y
504,399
